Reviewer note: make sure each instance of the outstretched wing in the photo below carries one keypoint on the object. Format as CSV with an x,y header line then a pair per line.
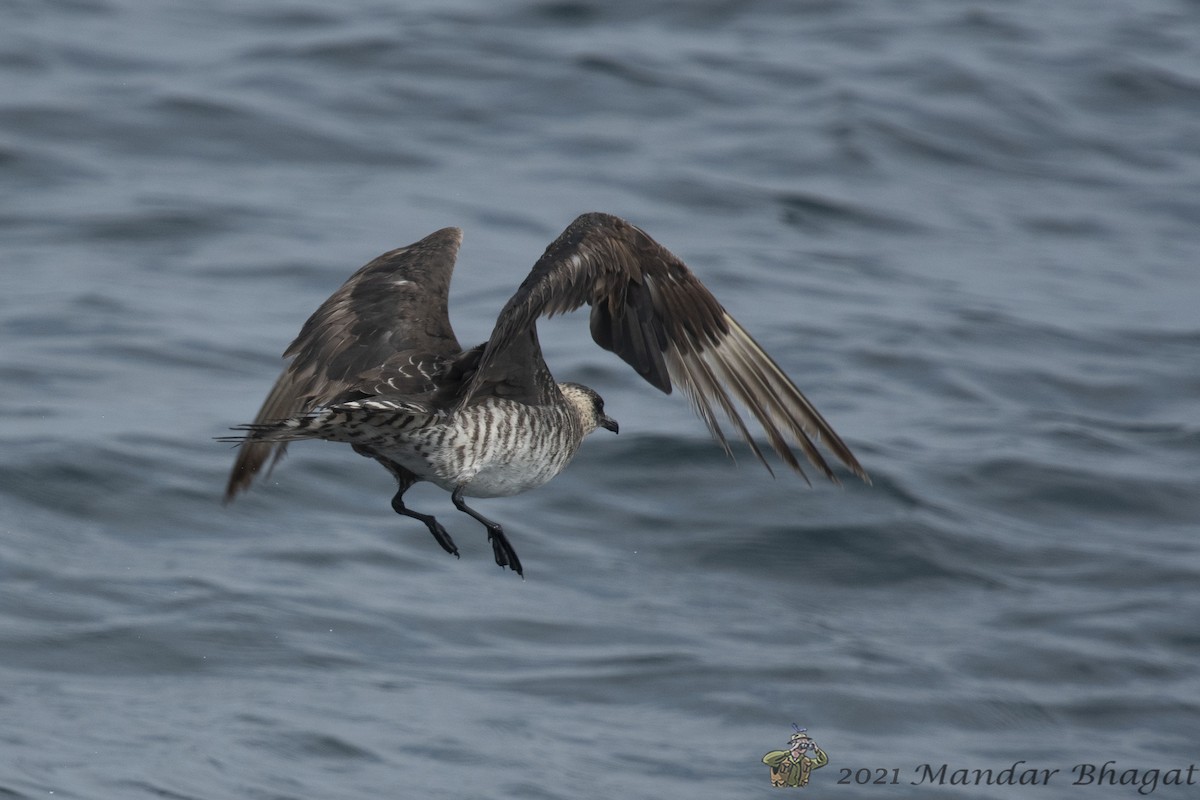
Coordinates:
x,y
385,331
648,308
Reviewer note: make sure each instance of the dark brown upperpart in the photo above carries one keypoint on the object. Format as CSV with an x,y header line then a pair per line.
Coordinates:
x,y
386,332
653,312
386,328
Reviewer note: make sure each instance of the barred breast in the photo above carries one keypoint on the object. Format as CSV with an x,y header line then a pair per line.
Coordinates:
x,y
495,449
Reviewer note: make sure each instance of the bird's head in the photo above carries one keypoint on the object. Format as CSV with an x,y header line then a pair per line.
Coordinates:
x,y
590,407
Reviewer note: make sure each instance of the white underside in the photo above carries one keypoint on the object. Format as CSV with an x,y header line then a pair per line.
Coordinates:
x,y
456,455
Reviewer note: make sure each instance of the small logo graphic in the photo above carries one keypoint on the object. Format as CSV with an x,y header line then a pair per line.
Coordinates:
x,y
793,766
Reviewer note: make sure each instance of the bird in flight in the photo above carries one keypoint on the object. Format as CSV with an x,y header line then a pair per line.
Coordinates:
x,y
378,367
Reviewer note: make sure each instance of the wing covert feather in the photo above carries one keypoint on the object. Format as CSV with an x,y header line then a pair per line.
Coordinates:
x,y
388,324
653,312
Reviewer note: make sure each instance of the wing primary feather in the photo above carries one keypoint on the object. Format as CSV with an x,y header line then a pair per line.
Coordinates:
x,y
788,406
649,309
751,391
700,384
394,305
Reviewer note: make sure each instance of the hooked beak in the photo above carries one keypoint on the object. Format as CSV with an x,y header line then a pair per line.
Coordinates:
x,y
609,424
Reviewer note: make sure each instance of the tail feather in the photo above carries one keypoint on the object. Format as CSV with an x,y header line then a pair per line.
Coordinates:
x,y
374,421
277,431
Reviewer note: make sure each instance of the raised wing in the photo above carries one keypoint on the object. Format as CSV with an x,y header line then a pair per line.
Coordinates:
x,y
385,331
648,308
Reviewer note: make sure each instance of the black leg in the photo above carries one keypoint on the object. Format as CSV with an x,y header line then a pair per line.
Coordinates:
x,y
405,480
503,551
435,527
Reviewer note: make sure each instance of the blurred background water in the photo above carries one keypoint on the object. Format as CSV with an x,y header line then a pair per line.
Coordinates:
x,y
968,230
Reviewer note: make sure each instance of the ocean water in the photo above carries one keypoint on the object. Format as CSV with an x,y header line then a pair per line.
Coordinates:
x,y
968,230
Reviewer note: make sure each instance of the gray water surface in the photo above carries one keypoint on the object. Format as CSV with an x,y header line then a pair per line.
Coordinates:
x,y
969,231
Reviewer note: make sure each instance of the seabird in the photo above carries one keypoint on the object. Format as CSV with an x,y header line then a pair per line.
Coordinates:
x,y
378,367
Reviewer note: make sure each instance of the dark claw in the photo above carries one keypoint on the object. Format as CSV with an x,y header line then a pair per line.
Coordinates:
x,y
443,538
435,527
506,556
